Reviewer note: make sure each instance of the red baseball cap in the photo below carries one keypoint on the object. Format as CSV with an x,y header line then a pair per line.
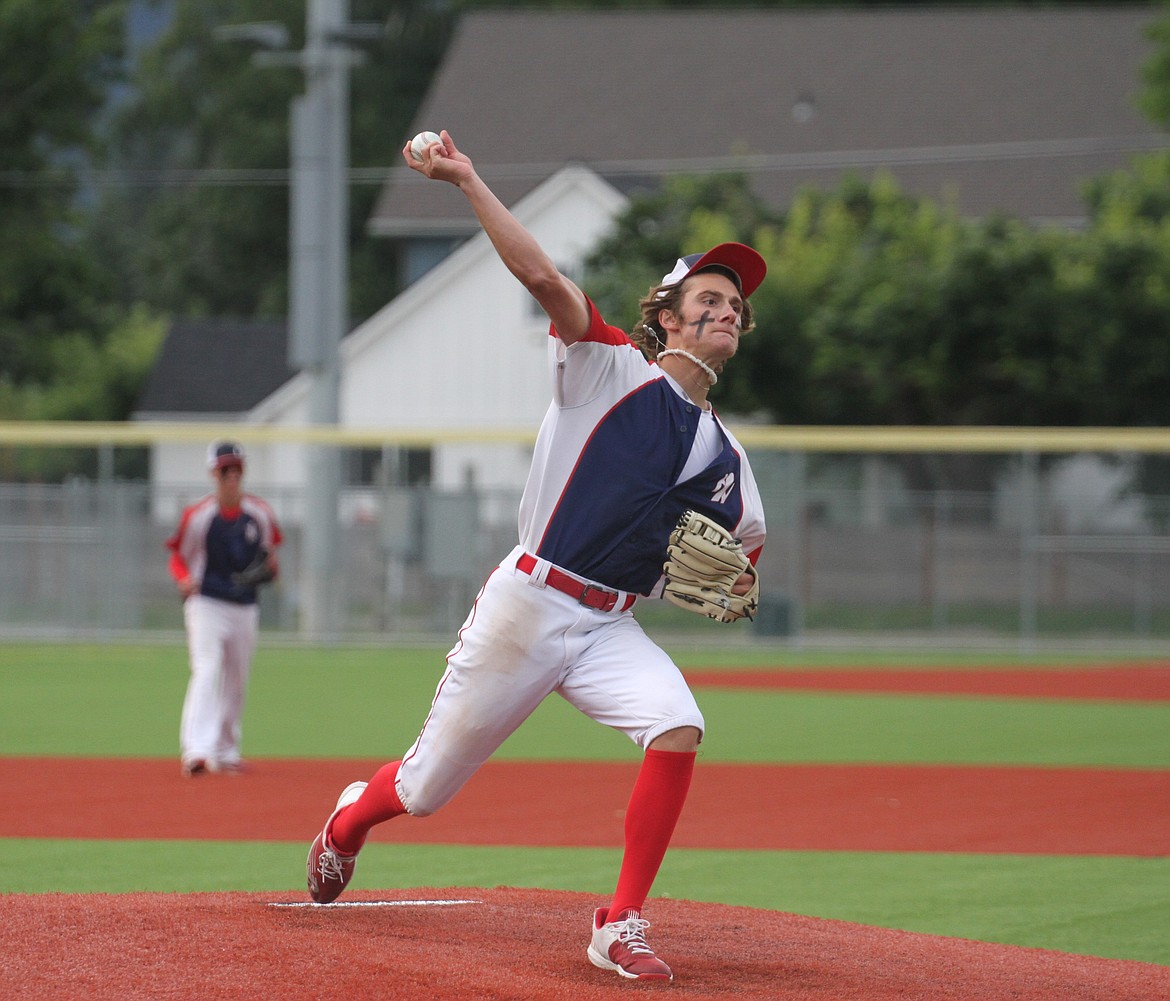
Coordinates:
x,y
746,266
222,454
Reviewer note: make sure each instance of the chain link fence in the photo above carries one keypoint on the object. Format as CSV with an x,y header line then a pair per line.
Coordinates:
x,y
1047,553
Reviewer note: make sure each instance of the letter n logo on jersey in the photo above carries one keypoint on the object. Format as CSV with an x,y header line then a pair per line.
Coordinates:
x,y
723,489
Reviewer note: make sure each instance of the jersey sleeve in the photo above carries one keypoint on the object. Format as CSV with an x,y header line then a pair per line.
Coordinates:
x,y
178,567
599,331
177,563
605,362
751,530
188,544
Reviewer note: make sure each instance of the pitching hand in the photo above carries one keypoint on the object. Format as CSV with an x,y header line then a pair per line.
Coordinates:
x,y
441,161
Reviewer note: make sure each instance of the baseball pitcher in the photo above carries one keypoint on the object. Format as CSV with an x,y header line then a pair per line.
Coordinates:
x,y
637,491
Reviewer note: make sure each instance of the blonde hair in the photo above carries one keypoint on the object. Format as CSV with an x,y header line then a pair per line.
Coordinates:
x,y
646,335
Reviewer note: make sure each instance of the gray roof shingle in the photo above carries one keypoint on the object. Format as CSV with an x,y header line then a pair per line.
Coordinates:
x,y
216,367
1008,108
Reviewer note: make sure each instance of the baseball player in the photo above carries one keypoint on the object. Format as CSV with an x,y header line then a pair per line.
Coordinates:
x,y
222,551
629,447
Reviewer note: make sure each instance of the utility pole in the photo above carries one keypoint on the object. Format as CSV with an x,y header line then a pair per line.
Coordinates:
x,y
319,282
318,268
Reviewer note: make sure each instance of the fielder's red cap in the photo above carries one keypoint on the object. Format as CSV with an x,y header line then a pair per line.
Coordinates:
x,y
746,266
222,454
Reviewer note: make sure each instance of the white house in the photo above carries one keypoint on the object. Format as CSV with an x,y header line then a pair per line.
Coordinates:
x,y
464,346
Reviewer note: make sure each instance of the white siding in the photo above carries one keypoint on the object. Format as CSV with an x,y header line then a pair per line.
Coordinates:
x,y
464,346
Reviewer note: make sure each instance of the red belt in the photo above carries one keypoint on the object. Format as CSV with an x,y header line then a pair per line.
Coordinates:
x,y
589,595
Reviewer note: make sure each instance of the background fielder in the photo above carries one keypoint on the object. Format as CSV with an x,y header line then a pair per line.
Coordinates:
x,y
223,549
629,444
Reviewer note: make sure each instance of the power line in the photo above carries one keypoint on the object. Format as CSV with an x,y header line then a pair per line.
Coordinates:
x,y
750,163
175,177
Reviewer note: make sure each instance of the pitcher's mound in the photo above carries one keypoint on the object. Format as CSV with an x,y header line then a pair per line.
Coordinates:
x,y
503,944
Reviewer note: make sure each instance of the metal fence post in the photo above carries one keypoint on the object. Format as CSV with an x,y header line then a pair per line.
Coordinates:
x,y
1029,554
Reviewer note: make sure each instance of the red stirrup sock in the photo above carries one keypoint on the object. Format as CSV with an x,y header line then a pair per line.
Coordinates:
x,y
378,802
655,804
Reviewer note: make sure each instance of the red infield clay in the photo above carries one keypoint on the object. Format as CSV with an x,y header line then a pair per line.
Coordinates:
x,y
853,807
509,944
1139,682
525,944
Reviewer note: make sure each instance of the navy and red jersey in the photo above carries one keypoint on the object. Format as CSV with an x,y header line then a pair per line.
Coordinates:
x,y
621,454
212,543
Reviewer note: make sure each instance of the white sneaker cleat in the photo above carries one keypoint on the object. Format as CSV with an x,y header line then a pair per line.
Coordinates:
x,y
327,869
621,946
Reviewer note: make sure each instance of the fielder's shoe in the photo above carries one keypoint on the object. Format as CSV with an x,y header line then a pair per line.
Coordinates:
x,y
621,945
196,766
328,870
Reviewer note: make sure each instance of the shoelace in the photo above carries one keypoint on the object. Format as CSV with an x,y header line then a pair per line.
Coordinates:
x,y
632,934
329,865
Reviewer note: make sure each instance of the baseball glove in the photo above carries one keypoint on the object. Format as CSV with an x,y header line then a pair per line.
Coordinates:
x,y
259,571
703,562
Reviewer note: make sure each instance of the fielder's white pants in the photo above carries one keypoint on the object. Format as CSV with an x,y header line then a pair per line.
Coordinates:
x,y
521,642
221,638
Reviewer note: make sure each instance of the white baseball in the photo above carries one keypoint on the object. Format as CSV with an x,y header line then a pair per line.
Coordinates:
x,y
421,142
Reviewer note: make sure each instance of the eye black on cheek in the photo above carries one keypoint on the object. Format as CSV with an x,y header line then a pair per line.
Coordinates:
x,y
701,323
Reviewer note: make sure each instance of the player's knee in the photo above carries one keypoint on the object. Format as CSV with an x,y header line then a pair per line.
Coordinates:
x,y
422,799
419,807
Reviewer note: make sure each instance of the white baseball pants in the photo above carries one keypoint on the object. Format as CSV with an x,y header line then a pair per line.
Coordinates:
x,y
521,642
221,638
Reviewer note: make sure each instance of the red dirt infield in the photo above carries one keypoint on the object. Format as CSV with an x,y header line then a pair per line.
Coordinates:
x,y
738,807
510,944
505,944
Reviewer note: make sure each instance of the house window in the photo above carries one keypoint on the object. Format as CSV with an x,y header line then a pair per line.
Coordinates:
x,y
414,466
361,466
389,466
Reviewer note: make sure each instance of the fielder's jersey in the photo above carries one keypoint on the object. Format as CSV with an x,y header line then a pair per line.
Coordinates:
x,y
621,454
211,544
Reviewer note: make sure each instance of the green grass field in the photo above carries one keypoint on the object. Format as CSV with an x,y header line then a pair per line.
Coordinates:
x,y
123,700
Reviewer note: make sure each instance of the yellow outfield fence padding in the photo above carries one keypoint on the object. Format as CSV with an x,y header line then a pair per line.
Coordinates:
x,y
791,438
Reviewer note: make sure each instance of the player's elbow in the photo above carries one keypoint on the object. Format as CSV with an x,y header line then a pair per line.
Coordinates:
x,y
544,282
565,305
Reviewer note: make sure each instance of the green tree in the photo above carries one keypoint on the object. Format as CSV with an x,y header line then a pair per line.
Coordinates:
x,y
884,309
66,353
92,381
1127,316
684,213
1154,99
199,223
1126,308
57,58
925,318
